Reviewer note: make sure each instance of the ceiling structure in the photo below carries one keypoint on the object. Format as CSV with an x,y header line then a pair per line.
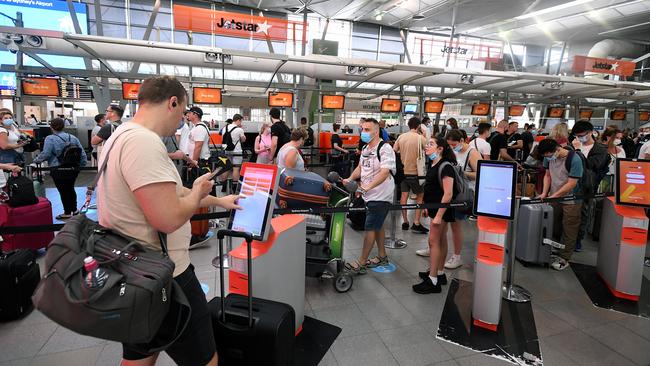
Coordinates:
x,y
521,21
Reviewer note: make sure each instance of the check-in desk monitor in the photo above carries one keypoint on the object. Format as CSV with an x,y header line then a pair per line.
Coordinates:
x,y
633,185
495,189
258,186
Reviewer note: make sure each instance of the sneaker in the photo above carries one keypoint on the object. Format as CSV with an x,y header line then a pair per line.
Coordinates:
x,y
442,279
453,262
423,275
197,241
63,216
419,228
559,264
423,252
405,226
427,287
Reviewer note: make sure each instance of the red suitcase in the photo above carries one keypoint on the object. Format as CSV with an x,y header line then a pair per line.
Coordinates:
x,y
38,214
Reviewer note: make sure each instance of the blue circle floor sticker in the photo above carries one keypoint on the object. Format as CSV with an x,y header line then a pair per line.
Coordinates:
x,y
389,268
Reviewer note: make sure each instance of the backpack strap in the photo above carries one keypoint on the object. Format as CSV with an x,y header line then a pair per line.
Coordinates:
x,y
442,165
569,160
209,139
379,145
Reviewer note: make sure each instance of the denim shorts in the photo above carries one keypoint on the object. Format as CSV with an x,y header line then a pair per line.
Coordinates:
x,y
376,215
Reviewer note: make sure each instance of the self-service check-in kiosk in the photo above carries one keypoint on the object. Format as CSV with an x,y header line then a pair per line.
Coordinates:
x,y
494,204
278,248
624,232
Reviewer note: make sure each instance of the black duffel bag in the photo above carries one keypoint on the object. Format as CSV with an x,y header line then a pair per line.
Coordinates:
x,y
130,307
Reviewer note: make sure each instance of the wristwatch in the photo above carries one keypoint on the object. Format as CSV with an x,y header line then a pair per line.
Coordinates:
x,y
361,190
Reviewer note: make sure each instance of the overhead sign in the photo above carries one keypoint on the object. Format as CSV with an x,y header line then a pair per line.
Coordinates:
x,y
516,110
618,115
201,20
280,99
585,114
206,95
481,109
603,66
130,91
555,112
333,101
391,105
433,106
43,87
644,116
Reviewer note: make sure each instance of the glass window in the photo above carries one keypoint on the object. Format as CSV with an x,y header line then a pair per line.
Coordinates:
x,y
391,34
139,17
364,55
147,5
113,30
259,114
363,43
364,29
181,37
202,72
201,39
391,46
112,14
389,57
230,42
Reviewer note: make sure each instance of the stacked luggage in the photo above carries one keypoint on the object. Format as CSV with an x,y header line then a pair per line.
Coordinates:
x,y
300,189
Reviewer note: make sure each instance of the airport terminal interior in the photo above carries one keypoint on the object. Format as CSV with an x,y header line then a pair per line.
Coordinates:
x,y
398,182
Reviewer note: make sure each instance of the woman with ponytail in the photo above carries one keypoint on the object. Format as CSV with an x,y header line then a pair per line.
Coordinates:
x,y
438,188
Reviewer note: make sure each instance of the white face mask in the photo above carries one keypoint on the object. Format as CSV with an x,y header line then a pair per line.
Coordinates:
x,y
617,142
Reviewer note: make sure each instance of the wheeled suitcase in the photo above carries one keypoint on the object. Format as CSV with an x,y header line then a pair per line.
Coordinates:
x,y
251,331
534,224
38,214
300,189
19,276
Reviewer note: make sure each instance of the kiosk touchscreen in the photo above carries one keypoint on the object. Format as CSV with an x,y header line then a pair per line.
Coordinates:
x,y
495,189
259,185
633,185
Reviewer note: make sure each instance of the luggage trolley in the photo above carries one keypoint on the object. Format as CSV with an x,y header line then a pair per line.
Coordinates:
x,y
324,233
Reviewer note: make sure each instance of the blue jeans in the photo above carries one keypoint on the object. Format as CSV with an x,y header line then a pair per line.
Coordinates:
x,y
376,215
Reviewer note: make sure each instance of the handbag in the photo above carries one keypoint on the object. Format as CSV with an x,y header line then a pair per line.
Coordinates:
x,y
421,164
133,302
21,191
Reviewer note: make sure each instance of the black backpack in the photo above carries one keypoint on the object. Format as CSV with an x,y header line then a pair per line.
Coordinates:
x,y
310,137
588,181
227,138
70,156
20,190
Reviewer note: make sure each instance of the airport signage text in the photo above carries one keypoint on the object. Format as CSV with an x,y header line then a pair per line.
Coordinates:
x,y
583,64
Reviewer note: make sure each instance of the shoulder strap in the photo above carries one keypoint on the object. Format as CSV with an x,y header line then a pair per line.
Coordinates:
x,y
442,165
569,160
208,130
379,145
174,142
469,153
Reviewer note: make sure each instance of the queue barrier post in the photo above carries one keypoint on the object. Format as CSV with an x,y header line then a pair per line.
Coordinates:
x,y
392,242
511,291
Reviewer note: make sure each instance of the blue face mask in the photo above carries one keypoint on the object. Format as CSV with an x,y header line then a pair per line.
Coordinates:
x,y
365,137
449,127
433,156
458,148
583,139
8,122
550,158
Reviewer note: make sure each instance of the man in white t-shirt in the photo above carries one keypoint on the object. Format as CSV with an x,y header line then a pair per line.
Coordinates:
x,y
100,120
234,152
198,143
644,153
480,142
141,194
377,187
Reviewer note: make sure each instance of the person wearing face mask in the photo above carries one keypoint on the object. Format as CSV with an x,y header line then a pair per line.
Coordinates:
x,y
597,159
377,187
11,147
612,137
562,178
450,124
263,145
174,151
289,155
438,188
182,134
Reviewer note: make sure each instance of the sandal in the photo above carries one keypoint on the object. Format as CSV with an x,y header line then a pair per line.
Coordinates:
x,y
355,269
377,261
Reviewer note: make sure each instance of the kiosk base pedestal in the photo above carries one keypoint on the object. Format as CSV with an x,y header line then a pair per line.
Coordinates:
x,y
516,293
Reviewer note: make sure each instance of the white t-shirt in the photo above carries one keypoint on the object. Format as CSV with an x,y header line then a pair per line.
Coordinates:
x,y
12,137
585,149
427,132
236,134
184,135
645,150
370,167
145,162
620,154
93,133
481,146
199,133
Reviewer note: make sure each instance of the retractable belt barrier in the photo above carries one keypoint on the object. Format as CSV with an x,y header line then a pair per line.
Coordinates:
x,y
533,201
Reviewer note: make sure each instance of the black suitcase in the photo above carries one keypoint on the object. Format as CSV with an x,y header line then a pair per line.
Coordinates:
x,y
253,331
357,218
19,276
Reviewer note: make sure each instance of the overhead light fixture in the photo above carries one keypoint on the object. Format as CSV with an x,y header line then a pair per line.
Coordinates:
x,y
553,9
379,17
419,15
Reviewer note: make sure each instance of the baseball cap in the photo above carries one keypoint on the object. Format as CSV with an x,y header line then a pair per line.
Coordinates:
x,y
198,111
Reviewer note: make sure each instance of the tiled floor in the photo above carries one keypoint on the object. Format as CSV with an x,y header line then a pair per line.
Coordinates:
x,y
384,323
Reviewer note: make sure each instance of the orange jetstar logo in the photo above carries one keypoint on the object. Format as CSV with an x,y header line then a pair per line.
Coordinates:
x,y
603,66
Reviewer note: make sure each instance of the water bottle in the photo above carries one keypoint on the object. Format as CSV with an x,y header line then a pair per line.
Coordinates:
x,y
95,275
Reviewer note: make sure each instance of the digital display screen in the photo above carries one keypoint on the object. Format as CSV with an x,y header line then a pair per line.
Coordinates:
x,y
633,186
481,109
433,106
333,101
618,115
411,108
644,116
257,182
43,87
281,99
7,81
391,105
495,189
555,112
516,110
585,114
206,95
130,91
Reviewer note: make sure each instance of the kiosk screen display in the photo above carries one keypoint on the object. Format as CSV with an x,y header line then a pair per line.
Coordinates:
x,y
258,184
283,99
495,189
633,186
391,105
411,108
433,106
618,115
585,114
481,109
206,95
333,101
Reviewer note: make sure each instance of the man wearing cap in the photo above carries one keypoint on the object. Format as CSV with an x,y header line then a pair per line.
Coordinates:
x,y
234,151
198,145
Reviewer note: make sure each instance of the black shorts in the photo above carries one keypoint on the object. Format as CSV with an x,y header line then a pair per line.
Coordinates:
x,y
196,346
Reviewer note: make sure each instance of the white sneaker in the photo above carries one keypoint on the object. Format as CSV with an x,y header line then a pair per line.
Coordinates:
x,y
453,262
423,252
559,264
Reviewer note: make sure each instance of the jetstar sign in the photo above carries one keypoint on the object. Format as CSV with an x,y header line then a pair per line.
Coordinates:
x,y
187,18
603,66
